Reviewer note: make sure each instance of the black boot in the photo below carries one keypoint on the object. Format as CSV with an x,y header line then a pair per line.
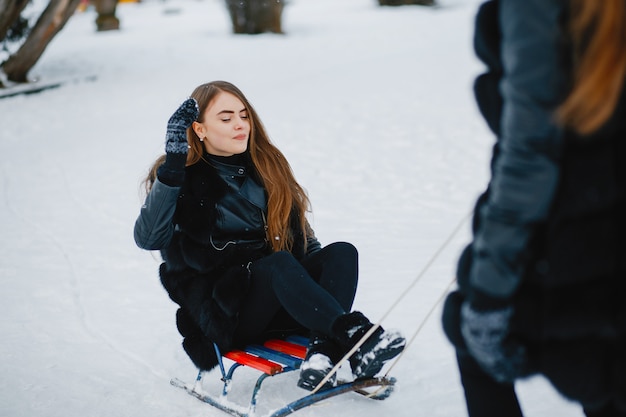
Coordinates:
x,y
379,348
321,356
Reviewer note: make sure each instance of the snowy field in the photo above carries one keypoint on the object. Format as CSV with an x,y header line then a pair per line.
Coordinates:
x,y
373,108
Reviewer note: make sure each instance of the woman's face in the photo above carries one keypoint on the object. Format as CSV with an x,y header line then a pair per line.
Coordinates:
x,y
225,129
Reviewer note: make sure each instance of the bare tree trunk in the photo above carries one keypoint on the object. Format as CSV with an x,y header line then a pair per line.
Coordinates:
x,y
405,2
51,21
9,12
106,19
255,16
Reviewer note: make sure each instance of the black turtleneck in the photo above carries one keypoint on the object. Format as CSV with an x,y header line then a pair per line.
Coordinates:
x,y
237,159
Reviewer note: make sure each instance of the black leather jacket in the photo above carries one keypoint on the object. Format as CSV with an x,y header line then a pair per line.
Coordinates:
x,y
208,231
240,217
241,213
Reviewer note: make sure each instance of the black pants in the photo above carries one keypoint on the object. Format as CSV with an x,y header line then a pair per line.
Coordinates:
x,y
486,397
483,395
310,294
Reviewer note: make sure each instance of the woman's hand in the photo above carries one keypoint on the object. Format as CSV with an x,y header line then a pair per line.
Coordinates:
x,y
486,335
177,125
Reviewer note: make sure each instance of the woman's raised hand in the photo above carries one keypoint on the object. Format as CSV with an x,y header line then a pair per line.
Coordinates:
x,y
176,135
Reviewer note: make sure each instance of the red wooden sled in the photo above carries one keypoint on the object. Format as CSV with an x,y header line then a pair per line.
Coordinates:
x,y
272,358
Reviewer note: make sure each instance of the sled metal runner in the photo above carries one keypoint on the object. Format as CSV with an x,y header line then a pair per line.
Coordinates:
x,y
273,358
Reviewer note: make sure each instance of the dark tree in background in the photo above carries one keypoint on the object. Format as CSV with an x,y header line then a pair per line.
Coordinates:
x,y
247,16
255,16
12,24
49,23
406,2
106,19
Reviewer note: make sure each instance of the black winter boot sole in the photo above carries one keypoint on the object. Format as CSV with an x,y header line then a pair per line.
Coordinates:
x,y
321,356
310,379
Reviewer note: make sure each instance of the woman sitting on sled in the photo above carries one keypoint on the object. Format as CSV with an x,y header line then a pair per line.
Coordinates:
x,y
240,258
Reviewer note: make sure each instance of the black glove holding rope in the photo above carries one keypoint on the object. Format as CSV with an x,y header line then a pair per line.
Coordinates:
x,y
480,325
485,327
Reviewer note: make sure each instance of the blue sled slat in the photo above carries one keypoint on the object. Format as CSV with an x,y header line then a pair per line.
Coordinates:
x,y
287,361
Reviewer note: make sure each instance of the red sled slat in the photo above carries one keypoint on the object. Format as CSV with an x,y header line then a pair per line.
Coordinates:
x,y
292,349
260,364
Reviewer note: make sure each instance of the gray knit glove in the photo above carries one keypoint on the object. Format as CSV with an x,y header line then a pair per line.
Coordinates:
x,y
486,337
176,135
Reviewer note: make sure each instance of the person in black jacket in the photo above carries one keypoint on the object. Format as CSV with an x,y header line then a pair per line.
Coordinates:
x,y
542,284
239,256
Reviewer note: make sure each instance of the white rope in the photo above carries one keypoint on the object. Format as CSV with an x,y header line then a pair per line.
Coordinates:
x,y
395,304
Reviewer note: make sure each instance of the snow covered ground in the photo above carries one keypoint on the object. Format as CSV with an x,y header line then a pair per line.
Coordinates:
x,y
371,105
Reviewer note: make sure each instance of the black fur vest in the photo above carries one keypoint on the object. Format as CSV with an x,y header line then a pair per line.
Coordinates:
x,y
219,231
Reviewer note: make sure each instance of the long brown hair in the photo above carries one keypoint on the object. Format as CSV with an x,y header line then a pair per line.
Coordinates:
x,y
283,191
598,32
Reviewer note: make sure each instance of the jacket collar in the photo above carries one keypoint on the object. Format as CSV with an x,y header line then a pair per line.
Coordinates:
x,y
224,167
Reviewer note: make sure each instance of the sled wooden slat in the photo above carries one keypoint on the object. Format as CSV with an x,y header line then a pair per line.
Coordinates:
x,y
299,351
287,361
260,364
